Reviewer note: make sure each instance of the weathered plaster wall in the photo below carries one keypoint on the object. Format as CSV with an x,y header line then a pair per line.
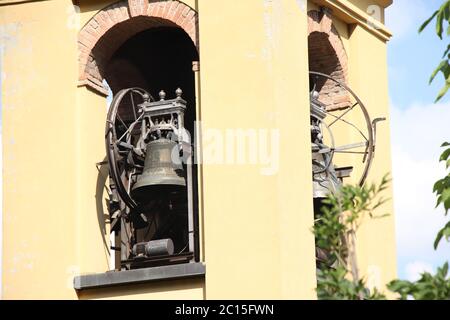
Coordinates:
x,y
257,228
368,77
40,155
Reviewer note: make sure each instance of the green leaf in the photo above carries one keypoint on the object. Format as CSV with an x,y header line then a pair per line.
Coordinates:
x,y
397,285
440,68
439,201
445,155
447,233
426,23
439,22
443,91
444,231
447,51
445,269
442,16
445,144
446,12
438,186
438,239
445,194
446,201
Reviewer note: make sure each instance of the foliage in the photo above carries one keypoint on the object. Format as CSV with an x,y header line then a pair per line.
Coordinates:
x,y
332,284
442,190
435,287
335,233
428,287
442,16
342,213
432,287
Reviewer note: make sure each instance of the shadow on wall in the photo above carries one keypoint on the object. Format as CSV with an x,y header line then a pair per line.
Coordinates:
x,y
102,217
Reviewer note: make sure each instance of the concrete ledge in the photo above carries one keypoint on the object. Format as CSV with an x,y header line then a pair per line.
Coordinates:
x,y
129,277
351,14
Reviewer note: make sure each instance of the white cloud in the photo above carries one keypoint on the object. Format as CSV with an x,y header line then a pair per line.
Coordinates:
x,y
415,269
417,133
419,130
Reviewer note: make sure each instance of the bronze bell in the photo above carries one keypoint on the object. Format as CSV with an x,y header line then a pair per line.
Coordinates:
x,y
325,182
163,171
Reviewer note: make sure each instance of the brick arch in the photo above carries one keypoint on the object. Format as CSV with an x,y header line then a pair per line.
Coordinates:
x,y
321,22
109,28
327,55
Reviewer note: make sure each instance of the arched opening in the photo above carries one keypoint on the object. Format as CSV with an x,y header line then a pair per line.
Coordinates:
x,y
153,50
156,59
112,26
324,59
327,55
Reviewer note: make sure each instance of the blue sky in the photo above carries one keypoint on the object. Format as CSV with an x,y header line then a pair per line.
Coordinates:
x,y
418,128
413,56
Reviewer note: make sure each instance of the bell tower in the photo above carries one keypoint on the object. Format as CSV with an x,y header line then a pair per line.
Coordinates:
x,y
146,196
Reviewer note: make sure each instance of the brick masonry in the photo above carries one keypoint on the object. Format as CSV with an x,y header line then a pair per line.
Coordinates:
x,y
113,25
327,55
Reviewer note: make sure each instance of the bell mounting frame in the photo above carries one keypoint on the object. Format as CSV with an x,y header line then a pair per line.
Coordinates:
x,y
366,131
116,144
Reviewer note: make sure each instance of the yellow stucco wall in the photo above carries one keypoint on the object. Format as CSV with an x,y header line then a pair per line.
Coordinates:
x,y
263,223
376,257
39,150
257,241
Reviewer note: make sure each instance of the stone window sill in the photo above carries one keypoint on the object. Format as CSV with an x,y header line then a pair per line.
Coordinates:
x,y
138,276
